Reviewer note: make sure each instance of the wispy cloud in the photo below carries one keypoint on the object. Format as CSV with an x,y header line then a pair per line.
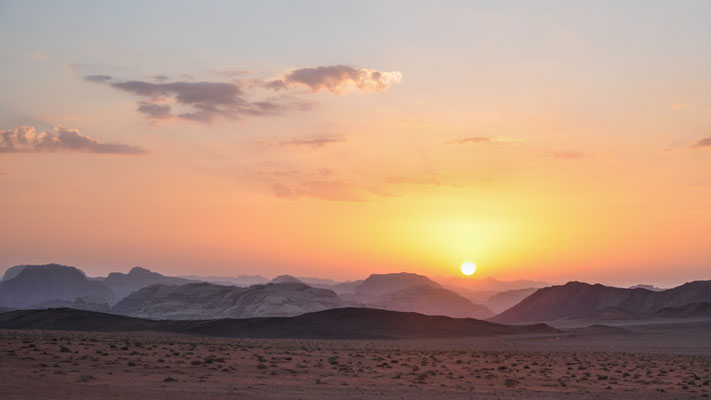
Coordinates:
x,y
337,79
313,142
333,190
26,139
704,143
487,140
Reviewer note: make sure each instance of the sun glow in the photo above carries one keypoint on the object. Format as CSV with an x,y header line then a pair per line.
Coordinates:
x,y
468,268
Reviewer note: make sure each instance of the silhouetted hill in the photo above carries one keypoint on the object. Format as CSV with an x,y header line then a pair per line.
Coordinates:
x,y
344,323
431,300
137,278
576,300
208,301
377,285
504,300
285,279
36,284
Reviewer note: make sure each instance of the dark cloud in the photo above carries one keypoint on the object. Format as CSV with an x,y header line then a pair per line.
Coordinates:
x,y
320,189
704,143
338,79
205,101
314,142
154,111
98,78
486,140
26,139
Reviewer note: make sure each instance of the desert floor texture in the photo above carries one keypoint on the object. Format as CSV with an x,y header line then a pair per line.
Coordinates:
x,y
651,362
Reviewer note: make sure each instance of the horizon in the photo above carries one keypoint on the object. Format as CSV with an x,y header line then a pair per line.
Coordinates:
x,y
549,142
432,277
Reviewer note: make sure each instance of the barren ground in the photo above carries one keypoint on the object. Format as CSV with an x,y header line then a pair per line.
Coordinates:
x,y
70,365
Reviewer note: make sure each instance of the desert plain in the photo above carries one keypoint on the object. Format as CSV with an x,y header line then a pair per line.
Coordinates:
x,y
638,361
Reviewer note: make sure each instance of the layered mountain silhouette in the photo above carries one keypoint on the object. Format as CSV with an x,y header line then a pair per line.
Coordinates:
x,y
582,301
415,293
430,300
209,301
242,280
33,285
504,300
343,323
137,278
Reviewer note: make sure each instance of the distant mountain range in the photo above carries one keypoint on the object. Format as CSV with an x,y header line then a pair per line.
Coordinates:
x,y
343,323
583,301
137,278
147,294
32,285
209,301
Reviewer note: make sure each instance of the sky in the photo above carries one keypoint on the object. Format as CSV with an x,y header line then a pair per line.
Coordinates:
x,y
545,140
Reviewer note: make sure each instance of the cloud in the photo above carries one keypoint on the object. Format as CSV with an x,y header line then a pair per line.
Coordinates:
x,y
204,101
704,143
487,140
337,79
333,190
154,111
314,142
26,139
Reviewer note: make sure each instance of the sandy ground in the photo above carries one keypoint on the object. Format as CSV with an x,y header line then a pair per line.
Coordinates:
x,y
66,365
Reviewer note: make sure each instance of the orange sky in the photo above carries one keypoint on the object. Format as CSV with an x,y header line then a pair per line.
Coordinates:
x,y
532,142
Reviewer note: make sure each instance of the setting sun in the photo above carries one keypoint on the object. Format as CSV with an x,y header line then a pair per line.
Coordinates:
x,y
468,268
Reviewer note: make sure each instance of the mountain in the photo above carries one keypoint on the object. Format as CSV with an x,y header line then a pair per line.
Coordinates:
x,y
648,287
582,301
285,279
430,300
377,285
343,323
504,300
692,310
209,301
35,284
137,278
347,288
488,284
242,280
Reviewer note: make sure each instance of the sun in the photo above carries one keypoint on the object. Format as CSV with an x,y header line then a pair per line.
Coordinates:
x,y
468,268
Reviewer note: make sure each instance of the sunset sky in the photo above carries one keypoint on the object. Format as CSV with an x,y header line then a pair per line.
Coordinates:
x,y
552,141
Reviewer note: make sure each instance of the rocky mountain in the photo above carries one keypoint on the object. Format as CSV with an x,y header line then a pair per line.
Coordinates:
x,y
343,323
36,284
377,285
691,310
286,279
582,301
409,292
504,300
209,301
242,280
648,287
430,300
137,278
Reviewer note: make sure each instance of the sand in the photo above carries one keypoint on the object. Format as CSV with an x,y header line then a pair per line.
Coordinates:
x,y
72,365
